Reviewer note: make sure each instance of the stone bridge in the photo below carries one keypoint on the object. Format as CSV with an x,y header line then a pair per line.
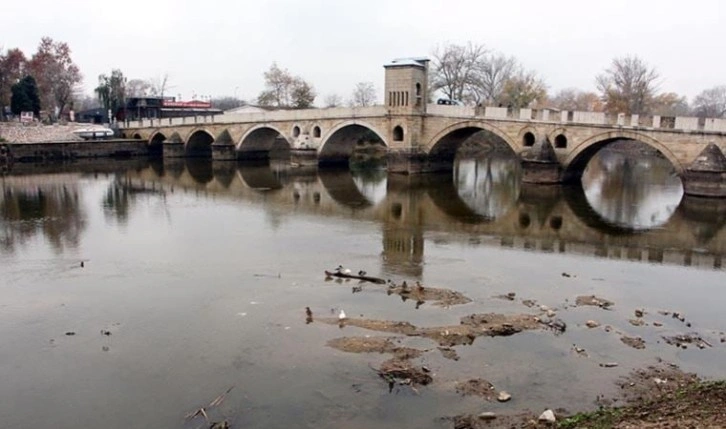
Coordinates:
x,y
554,146
418,208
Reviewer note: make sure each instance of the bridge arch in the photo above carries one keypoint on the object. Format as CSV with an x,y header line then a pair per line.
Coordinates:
x,y
527,136
339,142
259,140
199,143
577,160
156,141
448,140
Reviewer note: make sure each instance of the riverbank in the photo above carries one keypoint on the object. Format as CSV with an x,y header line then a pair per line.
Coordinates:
x,y
11,153
660,396
15,132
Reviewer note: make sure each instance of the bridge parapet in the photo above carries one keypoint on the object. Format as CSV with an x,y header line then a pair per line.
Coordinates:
x,y
552,116
262,117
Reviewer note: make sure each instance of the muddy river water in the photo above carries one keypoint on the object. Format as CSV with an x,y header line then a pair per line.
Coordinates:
x,y
196,277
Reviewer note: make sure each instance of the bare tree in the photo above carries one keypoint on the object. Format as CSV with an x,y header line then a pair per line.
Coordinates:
x,y
711,103
282,89
138,88
628,86
490,75
573,99
671,104
524,89
333,100
454,69
364,94
159,85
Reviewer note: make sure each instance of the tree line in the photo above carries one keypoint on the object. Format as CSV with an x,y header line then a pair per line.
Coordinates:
x,y
473,74
48,80
470,73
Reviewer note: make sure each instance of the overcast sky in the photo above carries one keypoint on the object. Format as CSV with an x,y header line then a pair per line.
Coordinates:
x,y
222,47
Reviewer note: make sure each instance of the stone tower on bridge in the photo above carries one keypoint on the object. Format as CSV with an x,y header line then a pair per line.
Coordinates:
x,y
406,97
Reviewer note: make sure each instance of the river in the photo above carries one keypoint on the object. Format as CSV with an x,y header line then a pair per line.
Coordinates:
x,y
196,276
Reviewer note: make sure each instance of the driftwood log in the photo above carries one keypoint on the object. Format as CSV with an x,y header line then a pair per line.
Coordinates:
x,y
353,276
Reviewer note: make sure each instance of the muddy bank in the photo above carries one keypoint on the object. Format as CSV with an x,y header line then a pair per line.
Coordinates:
x,y
660,396
421,294
470,327
401,370
383,345
647,391
593,301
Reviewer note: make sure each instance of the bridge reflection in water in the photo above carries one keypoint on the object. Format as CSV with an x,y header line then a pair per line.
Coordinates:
x,y
612,215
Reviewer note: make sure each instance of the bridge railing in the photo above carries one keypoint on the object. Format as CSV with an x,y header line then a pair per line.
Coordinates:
x,y
680,123
270,116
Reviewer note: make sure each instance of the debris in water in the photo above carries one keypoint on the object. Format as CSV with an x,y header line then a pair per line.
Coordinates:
x,y
477,387
634,342
202,411
579,350
420,294
683,340
594,301
557,325
449,353
637,322
345,273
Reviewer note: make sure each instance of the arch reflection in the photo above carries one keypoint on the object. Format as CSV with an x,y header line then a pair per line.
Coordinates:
x,y
632,192
488,185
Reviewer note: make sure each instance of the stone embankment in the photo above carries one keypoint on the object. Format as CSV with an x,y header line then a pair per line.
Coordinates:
x,y
41,143
13,132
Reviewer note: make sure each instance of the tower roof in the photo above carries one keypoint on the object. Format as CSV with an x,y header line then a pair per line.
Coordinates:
x,y
408,62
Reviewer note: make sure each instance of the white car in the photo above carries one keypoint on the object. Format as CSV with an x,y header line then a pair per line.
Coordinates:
x,y
93,133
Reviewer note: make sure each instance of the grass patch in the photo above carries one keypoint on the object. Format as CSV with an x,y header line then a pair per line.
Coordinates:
x,y
603,418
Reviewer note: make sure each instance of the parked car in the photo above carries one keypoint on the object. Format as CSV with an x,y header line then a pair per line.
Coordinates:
x,y
448,101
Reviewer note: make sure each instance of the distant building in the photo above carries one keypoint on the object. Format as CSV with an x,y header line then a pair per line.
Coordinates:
x,y
98,115
163,107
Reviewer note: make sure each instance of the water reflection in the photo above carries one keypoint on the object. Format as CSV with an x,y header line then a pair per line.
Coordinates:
x,y
41,205
121,196
489,185
637,192
621,207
